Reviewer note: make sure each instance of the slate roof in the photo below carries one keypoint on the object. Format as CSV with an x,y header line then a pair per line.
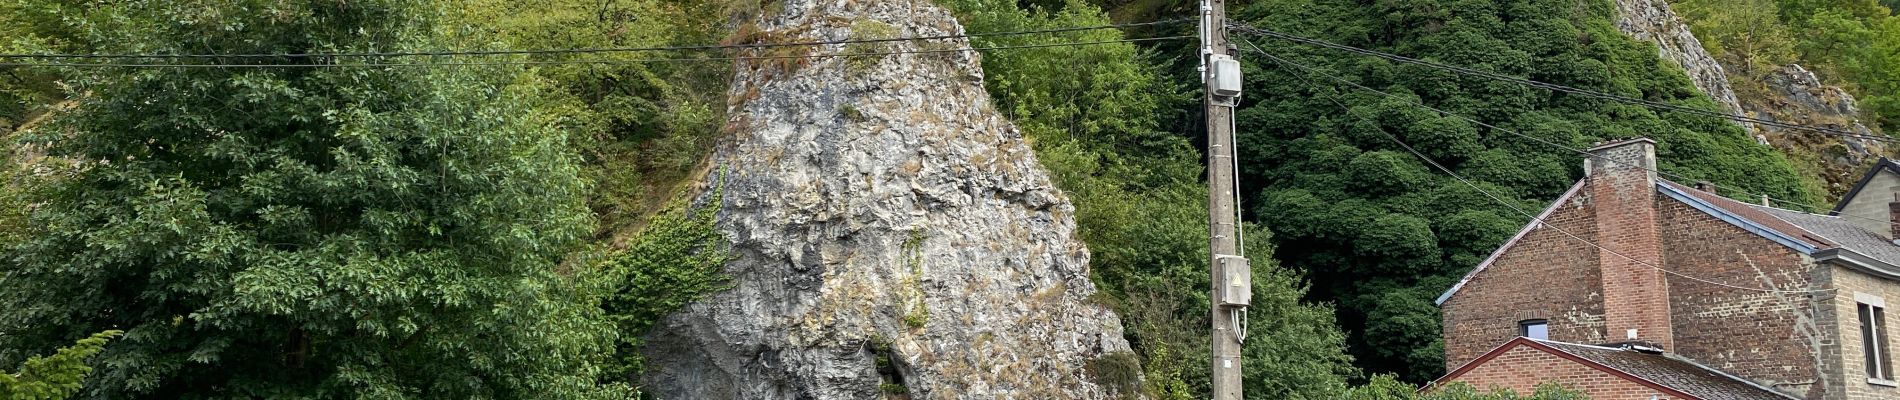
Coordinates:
x,y
1668,371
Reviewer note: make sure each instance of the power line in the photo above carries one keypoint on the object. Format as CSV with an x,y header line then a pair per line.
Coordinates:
x,y
1474,186
587,61
1547,142
587,50
1553,86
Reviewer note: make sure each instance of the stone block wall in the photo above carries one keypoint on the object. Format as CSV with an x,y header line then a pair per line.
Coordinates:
x,y
1842,321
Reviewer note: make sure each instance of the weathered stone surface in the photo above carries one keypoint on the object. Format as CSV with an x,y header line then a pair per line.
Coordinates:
x,y
881,209
1654,22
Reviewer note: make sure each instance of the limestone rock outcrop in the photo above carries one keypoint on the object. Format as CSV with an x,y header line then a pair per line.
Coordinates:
x,y
1795,96
1652,21
894,235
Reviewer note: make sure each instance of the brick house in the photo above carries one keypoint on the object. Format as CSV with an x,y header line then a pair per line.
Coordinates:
x,y
1641,287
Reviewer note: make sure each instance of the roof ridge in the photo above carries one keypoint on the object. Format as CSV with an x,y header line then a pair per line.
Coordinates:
x,y
1680,186
1605,366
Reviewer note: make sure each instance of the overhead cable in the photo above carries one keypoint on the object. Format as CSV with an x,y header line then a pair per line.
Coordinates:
x,y
580,61
1474,186
588,50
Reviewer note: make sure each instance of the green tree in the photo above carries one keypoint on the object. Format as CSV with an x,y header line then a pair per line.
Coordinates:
x,y
378,232
1747,34
55,377
1854,44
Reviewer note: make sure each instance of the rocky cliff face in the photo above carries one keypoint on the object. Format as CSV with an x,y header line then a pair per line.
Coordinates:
x,y
1795,96
1652,21
1791,94
895,237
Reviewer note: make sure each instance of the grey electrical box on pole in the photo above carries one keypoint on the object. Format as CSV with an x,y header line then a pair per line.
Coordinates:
x,y
1226,72
1235,278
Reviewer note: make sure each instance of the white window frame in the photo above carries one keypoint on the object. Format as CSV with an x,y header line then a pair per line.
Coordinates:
x,y
1873,338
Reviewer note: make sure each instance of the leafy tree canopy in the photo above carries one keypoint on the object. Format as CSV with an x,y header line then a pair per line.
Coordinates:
x,y
1851,43
327,232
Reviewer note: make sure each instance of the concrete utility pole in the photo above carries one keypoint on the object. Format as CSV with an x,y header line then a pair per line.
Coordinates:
x,y
1232,283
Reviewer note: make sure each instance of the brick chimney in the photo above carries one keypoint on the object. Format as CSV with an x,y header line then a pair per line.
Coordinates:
x,y
1622,181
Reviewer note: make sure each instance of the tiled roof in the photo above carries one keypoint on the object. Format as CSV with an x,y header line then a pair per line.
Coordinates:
x,y
1843,233
1670,371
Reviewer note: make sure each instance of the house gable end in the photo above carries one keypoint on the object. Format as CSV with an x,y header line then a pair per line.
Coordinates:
x,y
1509,244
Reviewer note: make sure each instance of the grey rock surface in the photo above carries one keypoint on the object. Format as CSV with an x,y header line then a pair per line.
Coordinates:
x,y
1652,21
894,235
1796,96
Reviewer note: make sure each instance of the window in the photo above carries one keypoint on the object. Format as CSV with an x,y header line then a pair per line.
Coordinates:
x,y
1534,329
1873,341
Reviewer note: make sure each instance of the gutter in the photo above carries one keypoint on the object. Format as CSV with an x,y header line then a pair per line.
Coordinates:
x,y
1859,261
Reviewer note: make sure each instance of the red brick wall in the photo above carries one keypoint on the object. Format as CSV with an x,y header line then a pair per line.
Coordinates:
x,y
1768,337
1522,368
1546,275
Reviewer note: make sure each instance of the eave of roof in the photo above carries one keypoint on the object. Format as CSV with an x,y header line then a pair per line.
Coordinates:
x,y
1883,165
1859,262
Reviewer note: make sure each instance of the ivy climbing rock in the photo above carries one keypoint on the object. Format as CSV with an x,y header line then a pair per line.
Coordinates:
x,y
892,233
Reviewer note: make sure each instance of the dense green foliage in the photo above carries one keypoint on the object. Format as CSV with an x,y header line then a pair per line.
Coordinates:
x,y
27,26
1094,114
54,377
1382,234
336,232
1852,43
